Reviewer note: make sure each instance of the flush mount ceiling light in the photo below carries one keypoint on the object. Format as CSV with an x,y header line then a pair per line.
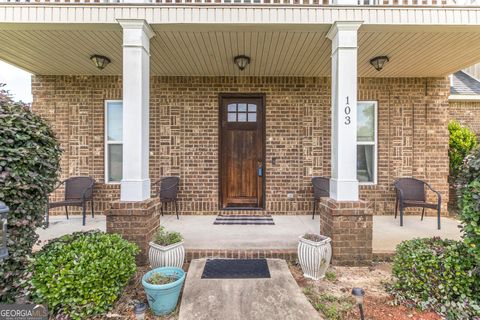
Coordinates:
x,y
241,61
100,61
379,62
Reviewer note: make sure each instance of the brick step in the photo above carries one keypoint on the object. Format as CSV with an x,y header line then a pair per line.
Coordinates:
x,y
289,255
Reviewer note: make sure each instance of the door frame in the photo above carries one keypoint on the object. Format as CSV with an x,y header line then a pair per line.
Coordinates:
x,y
233,95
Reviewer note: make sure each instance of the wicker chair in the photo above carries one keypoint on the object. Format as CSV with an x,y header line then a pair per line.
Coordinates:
x,y
410,192
321,189
167,191
78,191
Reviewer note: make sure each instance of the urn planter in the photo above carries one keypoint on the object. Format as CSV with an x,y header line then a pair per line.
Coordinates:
x,y
314,255
163,298
166,256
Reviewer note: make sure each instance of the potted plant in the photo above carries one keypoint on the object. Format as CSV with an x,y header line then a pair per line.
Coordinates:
x,y
166,249
314,254
163,286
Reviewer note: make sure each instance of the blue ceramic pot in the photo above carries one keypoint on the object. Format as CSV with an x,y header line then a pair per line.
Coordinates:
x,y
163,298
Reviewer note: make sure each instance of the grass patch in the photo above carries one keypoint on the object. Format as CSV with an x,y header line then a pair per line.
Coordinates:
x,y
331,276
331,307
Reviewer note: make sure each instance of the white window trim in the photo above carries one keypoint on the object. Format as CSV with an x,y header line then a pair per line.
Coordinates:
x,y
107,143
374,143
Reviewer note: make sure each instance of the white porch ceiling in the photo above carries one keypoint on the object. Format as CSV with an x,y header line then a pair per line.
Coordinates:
x,y
201,50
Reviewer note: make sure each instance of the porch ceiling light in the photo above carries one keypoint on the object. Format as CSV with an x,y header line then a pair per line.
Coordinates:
x,y
241,61
379,62
100,61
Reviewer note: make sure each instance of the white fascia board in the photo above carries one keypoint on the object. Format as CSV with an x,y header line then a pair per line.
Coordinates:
x,y
464,97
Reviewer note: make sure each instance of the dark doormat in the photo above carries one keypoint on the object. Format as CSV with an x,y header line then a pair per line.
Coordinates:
x,y
244,219
236,269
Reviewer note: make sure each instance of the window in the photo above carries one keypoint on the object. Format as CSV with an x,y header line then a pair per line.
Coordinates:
x,y
113,141
367,142
242,112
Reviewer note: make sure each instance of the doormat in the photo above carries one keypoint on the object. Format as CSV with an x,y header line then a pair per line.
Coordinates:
x,y
244,219
236,269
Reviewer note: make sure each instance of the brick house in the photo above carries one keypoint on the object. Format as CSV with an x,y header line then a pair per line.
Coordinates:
x,y
237,98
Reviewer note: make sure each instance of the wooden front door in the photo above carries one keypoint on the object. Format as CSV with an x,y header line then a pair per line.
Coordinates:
x,y
242,151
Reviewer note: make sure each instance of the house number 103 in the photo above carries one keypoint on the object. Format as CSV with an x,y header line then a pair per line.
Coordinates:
x,y
347,111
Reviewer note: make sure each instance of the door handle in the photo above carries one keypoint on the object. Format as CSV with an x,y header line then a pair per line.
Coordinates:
x,y
260,169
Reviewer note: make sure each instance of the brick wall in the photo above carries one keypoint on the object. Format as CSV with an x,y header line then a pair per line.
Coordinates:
x,y
467,113
413,138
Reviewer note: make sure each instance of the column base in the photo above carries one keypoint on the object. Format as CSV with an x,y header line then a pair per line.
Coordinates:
x,y
350,226
344,190
135,190
136,222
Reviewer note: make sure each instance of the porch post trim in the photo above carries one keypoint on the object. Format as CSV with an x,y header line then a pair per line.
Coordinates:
x,y
135,185
343,182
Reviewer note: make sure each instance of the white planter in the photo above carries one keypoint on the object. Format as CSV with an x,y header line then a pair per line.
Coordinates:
x,y
314,257
168,256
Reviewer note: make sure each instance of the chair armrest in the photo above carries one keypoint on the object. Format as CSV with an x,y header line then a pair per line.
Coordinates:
x,y
86,190
439,196
59,184
399,193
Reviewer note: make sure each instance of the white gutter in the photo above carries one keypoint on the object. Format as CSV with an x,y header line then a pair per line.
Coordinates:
x,y
464,97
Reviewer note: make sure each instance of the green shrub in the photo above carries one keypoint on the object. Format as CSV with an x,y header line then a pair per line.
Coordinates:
x,y
462,141
165,238
468,191
29,165
437,274
82,274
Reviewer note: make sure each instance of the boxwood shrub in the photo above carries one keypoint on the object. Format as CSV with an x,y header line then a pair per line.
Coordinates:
x,y
437,274
462,141
82,274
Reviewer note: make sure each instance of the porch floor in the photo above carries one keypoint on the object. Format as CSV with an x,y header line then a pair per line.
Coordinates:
x,y
199,232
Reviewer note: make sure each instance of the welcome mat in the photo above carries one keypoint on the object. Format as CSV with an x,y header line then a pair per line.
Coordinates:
x,y
236,269
244,219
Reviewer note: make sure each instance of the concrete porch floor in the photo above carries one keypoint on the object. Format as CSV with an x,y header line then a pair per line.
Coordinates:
x,y
199,232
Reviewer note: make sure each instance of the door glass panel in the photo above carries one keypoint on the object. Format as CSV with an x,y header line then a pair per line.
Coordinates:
x,y
232,107
252,107
114,121
242,107
242,117
252,117
232,117
115,162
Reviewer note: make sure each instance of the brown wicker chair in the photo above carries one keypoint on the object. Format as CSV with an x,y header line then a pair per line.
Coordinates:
x,y
410,192
167,191
78,191
321,189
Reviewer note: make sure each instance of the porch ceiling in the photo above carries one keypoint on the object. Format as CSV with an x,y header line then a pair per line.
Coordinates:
x,y
287,50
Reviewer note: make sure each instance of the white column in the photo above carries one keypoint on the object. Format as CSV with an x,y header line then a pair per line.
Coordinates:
x,y
345,2
135,185
343,182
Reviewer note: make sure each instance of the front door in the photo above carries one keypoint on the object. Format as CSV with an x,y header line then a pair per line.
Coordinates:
x,y
242,152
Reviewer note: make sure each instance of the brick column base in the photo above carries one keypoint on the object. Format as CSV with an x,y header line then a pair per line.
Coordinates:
x,y
350,226
136,222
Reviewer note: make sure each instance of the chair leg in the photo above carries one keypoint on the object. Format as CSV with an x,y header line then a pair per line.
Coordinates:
x,y
84,212
401,215
161,208
438,217
93,214
66,211
46,217
314,208
396,207
176,209
423,212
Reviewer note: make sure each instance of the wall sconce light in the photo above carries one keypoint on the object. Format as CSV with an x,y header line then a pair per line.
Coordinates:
x,y
379,62
100,61
241,61
358,293
3,231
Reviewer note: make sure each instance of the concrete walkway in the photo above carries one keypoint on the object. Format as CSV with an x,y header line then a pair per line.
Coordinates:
x,y
278,297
